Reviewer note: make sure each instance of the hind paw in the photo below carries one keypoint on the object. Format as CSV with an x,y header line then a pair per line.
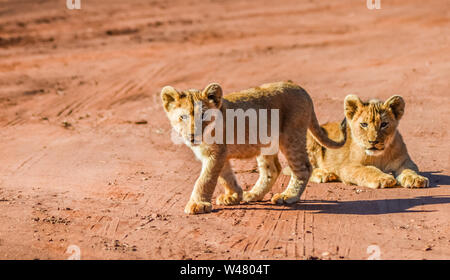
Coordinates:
x,y
251,196
228,199
280,198
321,176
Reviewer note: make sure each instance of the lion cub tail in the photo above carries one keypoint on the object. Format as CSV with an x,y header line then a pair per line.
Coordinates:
x,y
321,137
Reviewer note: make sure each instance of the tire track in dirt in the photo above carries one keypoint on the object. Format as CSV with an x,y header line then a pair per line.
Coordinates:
x,y
286,242
307,230
110,231
74,103
174,196
118,92
24,164
145,72
268,230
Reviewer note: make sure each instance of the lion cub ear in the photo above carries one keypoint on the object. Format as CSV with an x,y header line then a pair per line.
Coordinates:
x,y
351,105
168,96
397,106
213,93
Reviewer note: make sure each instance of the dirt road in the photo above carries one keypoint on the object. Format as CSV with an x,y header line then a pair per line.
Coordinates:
x,y
85,149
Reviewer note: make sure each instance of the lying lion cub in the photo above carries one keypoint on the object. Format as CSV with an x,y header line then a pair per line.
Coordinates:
x,y
374,148
295,112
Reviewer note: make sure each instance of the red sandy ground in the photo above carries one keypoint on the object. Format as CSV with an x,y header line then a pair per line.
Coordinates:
x,y
76,169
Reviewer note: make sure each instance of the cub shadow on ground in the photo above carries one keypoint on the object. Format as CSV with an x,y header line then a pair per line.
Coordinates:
x,y
371,207
436,178
362,207
356,207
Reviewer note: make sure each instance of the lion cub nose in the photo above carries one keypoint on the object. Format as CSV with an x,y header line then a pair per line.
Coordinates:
x,y
373,142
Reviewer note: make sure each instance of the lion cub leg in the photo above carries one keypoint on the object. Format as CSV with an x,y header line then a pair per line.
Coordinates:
x,y
301,168
408,178
367,176
200,201
320,175
233,192
269,168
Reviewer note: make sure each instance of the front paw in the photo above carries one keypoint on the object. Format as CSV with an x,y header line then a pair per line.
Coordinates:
x,y
386,181
228,199
200,207
413,181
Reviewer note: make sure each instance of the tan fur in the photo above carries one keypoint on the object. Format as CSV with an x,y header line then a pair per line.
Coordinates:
x,y
296,115
372,152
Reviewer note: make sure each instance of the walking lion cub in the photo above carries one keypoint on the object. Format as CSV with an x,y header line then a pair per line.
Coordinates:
x,y
286,100
374,148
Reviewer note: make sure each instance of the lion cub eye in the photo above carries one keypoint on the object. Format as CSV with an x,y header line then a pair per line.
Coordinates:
x,y
363,125
183,117
383,124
